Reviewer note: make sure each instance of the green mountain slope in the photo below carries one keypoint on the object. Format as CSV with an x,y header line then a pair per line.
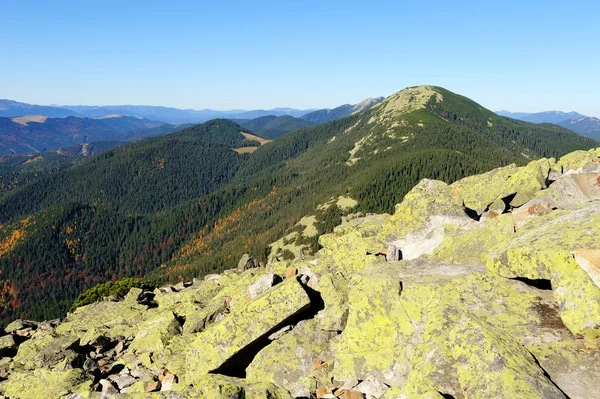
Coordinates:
x,y
272,127
186,204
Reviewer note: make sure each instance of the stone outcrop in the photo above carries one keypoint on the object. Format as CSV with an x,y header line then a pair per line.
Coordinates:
x,y
488,288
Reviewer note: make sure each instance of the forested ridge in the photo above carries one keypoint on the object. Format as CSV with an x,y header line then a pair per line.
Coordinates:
x,y
183,205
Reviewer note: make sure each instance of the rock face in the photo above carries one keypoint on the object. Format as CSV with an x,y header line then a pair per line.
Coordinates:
x,y
489,288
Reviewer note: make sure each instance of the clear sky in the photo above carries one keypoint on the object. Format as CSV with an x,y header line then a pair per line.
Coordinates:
x,y
516,55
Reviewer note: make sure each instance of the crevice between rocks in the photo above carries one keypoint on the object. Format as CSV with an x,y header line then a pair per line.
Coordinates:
x,y
471,213
548,376
236,365
540,283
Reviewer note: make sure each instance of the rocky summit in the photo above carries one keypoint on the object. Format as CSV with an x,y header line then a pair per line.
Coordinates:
x,y
485,288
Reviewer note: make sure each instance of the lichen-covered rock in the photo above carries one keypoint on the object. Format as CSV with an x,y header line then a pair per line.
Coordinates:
x,y
480,191
42,383
351,245
215,386
416,227
242,327
472,243
7,345
542,249
572,190
291,358
378,331
109,319
45,350
576,160
334,291
246,262
153,334
471,359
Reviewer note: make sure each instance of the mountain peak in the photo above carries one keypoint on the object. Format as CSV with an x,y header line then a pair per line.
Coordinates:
x,y
406,101
366,103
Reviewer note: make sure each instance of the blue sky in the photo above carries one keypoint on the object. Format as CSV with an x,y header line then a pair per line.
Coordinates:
x,y
520,56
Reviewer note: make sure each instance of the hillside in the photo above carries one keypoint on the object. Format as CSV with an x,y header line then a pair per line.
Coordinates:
x,y
272,127
586,126
34,134
427,302
326,115
185,205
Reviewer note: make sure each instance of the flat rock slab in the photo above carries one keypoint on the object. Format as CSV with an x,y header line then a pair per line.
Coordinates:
x,y
242,327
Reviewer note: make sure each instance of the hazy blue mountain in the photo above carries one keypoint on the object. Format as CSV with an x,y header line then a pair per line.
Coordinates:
x,y
514,115
258,113
586,126
9,108
326,115
542,117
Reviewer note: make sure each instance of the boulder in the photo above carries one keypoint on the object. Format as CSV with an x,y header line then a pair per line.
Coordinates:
x,y
153,334
290,359
246,262
45,350
42,383
542,249
262,284
8,346
334,291
265,314
374,341
416,228
533,208
517,185
572,190
214,386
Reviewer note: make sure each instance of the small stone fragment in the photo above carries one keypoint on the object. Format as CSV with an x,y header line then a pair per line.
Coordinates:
x,y
291,272
153,386
392,254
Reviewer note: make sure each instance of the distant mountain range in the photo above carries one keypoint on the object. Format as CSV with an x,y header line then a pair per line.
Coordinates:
x,y
27,129
585,125
542,117
9,108
326,115
34,134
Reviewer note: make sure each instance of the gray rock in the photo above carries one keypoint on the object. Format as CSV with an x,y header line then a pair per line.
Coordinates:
x,y
247,262
211,277
393,254
371,386
571,190
20,325
123,380
107,387
261,285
